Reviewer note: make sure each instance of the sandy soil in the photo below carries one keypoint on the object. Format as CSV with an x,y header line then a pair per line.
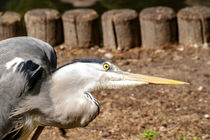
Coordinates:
x,y
172,111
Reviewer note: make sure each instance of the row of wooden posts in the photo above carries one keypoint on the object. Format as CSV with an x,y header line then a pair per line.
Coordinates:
x,y
121,29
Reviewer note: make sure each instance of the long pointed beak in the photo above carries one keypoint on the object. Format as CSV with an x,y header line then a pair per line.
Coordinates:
x,y
151,79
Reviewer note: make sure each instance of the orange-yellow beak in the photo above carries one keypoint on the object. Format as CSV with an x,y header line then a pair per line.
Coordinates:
x,y
151,79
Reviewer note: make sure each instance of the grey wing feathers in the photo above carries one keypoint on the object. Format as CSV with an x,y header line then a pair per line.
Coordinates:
x,y
50,53
13,87
27,48
38,59
32,72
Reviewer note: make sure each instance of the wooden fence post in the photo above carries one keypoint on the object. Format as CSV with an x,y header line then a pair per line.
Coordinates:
x,y
44,24
10,25
158,26
120,29
194,25
81,28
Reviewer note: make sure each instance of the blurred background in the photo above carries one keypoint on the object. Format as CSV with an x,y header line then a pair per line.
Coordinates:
x,y
21,6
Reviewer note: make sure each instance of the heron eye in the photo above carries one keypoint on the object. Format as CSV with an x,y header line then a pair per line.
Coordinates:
x,y
106,67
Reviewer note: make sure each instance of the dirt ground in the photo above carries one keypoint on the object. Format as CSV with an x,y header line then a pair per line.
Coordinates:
x,y
175,112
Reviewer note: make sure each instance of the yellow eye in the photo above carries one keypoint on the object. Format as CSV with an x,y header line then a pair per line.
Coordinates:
x,y
106,67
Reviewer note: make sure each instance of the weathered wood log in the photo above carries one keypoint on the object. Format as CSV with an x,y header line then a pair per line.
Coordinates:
x,y
44,24
158,26
81,28
194,25
120,29
10,25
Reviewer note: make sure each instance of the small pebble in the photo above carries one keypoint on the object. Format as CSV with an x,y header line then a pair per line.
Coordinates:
x,y
162,128
205,137
180,48
206,116
101,50
200,88
159,51
196,46
62,47
109,55
195,58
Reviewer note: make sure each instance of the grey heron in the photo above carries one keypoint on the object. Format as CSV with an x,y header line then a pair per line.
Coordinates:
x,y
34,93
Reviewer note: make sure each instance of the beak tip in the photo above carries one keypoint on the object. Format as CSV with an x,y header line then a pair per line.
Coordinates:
x,y
185,83
182,83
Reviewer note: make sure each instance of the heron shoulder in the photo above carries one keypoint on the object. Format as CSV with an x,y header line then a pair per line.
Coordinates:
x,y
28,48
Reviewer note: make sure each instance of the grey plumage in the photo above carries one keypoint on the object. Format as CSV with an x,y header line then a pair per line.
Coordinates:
x,y
13,84
25,106
27,48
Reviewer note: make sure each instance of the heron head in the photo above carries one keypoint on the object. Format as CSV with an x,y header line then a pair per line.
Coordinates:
x,y
96,74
